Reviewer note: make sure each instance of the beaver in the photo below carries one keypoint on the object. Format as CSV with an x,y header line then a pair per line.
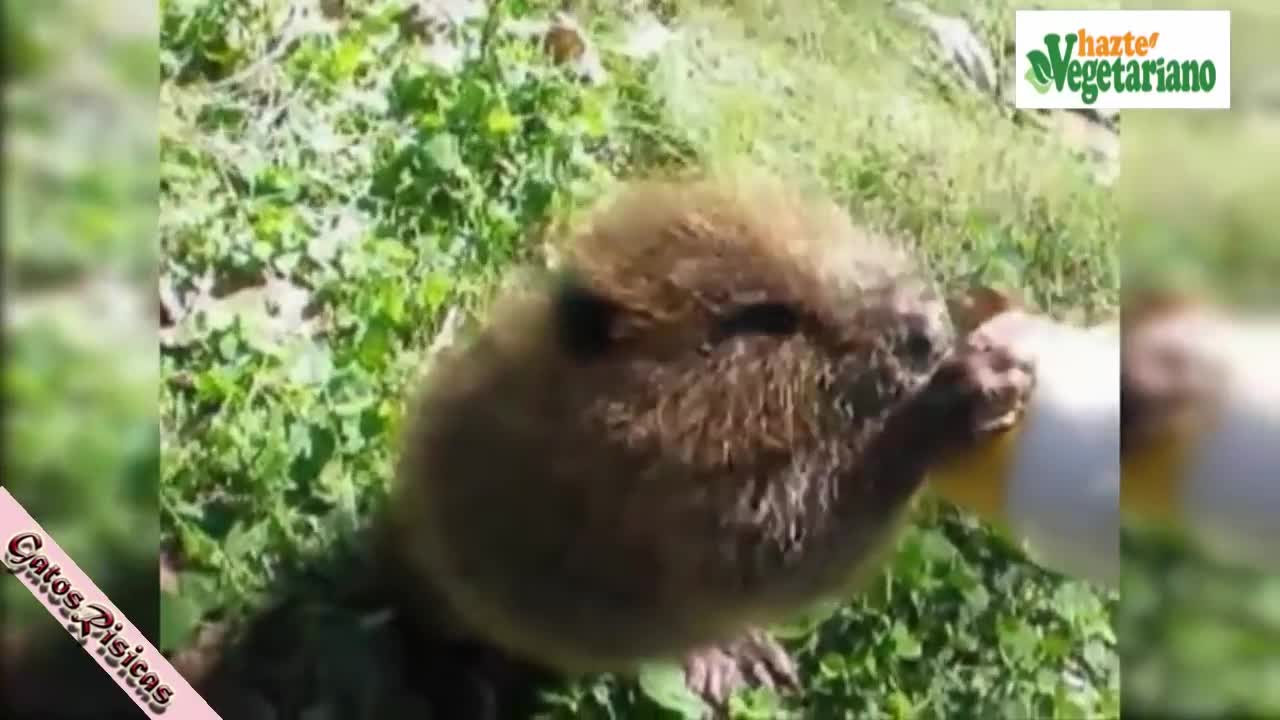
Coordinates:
x,y
711,415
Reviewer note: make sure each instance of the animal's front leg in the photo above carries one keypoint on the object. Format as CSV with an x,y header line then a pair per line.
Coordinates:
x,y
753,660
997,382
980,391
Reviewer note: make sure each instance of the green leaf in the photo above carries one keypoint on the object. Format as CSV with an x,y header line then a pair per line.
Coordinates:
x,y
375,344
594,118
312,365
346,58
664,684
900,706
242,540
936,548
755,704
500,121
1017,638
977,598
444,152
435,290
179,616
905,645
1074,602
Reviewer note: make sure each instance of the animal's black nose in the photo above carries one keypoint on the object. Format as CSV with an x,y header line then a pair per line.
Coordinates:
x,y
925,337
919,344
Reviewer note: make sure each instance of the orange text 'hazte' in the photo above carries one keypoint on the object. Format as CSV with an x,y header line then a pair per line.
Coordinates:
x,y
1127,44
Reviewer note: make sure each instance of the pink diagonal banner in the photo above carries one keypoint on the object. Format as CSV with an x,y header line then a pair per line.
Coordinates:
x,y
104,632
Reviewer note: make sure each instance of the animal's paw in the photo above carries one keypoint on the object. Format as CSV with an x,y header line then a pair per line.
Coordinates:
x,y
755,660
997,381
979,391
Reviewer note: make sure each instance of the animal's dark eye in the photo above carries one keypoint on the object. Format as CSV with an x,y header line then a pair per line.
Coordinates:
x,y
759,319
585,321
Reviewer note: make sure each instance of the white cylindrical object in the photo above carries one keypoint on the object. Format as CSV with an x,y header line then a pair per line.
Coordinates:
x,y
1225,485
1053,481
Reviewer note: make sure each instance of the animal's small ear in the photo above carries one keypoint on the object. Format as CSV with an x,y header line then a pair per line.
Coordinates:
x,y
978,305
585,320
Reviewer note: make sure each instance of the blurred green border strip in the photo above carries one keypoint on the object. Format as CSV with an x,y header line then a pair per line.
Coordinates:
x,y
82,363
1197,195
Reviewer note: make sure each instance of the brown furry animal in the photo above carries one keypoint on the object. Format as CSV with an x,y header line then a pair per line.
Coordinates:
x,y
712,417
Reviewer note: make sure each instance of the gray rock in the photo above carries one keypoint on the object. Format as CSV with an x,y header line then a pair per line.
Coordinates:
x,y
959,44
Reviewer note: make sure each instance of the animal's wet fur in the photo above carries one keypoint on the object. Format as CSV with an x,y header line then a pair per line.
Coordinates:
x,y
709,417
683,432
338,640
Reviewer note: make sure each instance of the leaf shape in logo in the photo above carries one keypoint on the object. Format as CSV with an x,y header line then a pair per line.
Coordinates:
x,y
1040,74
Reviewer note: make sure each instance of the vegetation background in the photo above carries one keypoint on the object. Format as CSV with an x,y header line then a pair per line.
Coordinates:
x,y
330,196
385,192
81,365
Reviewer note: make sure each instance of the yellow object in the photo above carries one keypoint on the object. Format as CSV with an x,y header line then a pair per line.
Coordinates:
x,y
1151,479
977,481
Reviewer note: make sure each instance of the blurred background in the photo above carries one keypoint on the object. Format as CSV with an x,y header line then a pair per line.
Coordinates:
x,y
81,361
1200,631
